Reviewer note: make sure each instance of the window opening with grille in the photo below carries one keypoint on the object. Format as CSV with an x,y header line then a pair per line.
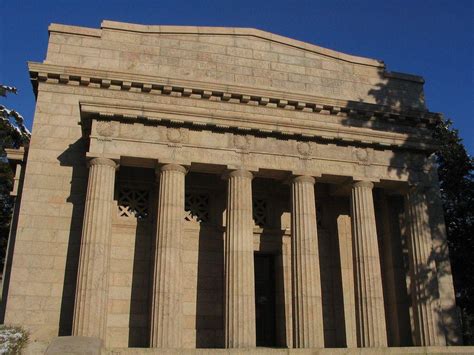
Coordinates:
x,y
260,212
133,203
196,206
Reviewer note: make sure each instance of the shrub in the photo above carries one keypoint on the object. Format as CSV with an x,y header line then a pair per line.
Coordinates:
x,y
12,339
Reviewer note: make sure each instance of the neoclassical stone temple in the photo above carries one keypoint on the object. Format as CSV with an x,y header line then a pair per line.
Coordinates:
x,y
202,187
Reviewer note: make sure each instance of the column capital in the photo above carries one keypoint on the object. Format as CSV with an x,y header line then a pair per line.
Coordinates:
x,y
103,161
363,183
304,179
239,173
172,167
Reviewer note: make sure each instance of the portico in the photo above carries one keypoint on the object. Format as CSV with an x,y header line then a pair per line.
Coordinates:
x,y
175,152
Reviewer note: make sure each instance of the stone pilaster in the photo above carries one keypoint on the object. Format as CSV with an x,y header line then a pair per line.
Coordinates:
x,y
424,282
166,311
239,263
90,312
307,304
370,314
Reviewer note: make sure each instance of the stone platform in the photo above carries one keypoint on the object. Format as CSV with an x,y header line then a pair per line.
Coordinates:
x,y
274,351
85,345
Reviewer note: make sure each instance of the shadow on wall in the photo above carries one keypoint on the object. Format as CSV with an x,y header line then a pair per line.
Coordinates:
x,y
73,157
401,92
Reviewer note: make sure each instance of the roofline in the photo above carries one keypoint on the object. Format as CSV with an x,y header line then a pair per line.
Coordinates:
x,y
239,31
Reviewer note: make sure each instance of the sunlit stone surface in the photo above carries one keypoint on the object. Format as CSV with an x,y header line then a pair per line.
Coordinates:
x,y
199,187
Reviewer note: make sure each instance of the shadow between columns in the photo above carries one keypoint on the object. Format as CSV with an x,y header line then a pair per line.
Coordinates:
x,y
210,288
139,325
271,243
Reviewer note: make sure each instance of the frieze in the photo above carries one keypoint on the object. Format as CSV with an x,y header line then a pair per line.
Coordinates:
x,y
263,151
268,148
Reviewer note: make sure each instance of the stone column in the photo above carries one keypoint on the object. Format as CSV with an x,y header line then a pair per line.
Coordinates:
x,y
344,235
307,304
166,309
239,263
424,282
90,312
370,314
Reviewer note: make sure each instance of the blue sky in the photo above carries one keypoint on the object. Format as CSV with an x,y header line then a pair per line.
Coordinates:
x,y
432,38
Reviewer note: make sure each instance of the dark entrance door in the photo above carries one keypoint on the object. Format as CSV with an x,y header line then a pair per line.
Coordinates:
x,y
265,300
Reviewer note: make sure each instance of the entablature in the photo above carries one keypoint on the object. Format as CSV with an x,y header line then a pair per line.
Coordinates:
x,y
126,137
297,125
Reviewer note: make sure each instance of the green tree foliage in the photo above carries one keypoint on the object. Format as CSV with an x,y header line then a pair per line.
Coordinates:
x,y
456,175
13,134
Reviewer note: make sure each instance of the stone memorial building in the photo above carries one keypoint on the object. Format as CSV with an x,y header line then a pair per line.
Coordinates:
x,y
205,187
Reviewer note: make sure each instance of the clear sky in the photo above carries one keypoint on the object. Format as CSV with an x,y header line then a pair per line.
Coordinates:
x,y
432,38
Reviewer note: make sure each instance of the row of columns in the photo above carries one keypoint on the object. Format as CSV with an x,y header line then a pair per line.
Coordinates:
x,y
90,314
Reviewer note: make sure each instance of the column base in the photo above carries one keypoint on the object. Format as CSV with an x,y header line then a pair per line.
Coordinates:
x,y
73,345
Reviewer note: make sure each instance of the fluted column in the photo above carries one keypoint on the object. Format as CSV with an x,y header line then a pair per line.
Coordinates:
x,y
307,303
166,311
424,282
90,311
370,314
239,263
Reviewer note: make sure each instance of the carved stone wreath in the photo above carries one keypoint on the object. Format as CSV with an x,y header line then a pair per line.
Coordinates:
x,y
242,141
361,155
304,148
107,128
175,135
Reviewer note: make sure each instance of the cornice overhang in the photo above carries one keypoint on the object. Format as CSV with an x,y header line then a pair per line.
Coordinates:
x,y
41,72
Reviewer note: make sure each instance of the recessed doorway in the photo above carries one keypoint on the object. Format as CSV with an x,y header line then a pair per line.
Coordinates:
x,y
265,300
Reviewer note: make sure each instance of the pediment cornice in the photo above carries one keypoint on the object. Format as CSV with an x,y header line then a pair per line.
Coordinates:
x,y
214,31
